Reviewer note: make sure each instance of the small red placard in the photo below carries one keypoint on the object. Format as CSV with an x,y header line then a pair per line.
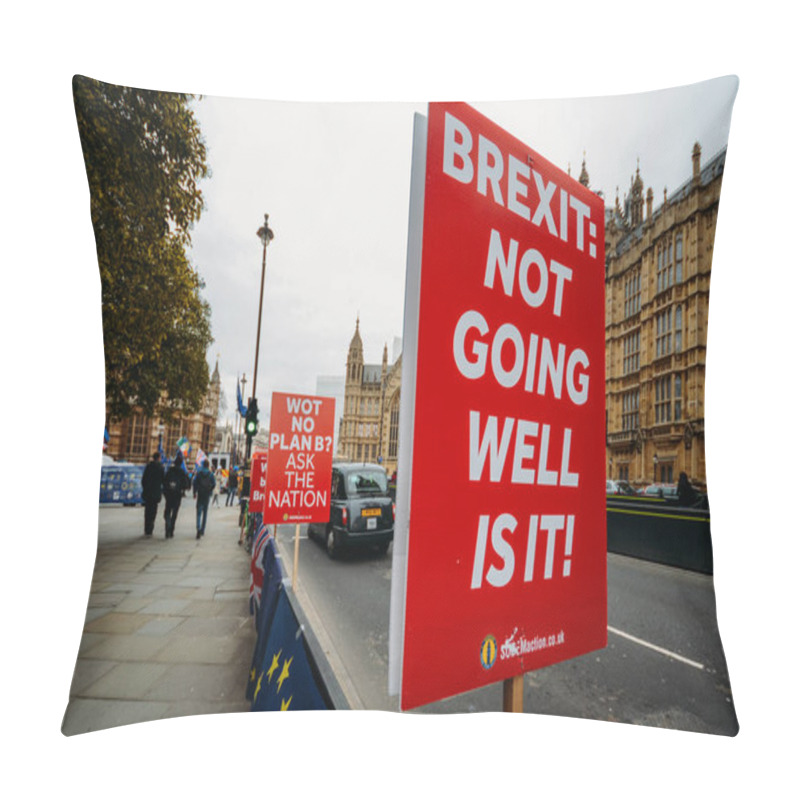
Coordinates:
x,y
300,458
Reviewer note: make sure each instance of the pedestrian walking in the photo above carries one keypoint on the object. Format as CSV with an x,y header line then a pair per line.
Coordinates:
x,y
152,481
176,482
687,496
229,500
217,484
202,487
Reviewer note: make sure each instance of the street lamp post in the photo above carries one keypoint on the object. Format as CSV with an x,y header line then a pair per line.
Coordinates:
x,y
266,235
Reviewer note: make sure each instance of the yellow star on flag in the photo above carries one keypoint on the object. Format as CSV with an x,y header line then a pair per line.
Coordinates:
x,y
274,665
285,703
258,687
284,673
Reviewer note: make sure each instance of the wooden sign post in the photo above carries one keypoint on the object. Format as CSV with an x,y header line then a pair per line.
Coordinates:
x,y
296,555
512,693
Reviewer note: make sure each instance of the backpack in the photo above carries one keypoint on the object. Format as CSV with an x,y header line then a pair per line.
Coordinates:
x,y
204,482
173,485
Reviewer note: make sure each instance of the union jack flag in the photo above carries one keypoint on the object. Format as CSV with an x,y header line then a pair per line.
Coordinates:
x,y
257,566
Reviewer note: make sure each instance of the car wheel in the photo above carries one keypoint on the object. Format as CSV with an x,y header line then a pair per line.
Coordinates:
x,y
331,545
382,548
312,534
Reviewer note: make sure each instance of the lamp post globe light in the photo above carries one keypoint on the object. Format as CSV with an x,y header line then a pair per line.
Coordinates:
x,y
266,235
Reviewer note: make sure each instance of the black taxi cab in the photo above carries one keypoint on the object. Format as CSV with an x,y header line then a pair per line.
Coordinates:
x,y
361,510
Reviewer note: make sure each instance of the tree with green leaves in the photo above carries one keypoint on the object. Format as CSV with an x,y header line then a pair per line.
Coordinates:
x,y
145,157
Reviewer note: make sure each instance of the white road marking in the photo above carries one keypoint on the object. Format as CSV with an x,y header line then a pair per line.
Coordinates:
x,y
662,650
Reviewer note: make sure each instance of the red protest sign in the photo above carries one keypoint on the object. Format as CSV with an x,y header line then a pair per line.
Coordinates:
x,y
258,481
506,546
300,458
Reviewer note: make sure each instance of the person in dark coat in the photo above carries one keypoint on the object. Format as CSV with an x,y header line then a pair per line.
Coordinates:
x,y
687,496
202,487
231,487
152,481
176,482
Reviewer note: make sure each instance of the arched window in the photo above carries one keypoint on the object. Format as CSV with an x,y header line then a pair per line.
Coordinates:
x,y
394,425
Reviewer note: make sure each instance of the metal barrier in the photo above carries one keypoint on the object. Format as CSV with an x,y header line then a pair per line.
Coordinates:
x,y
327,682
327,690
657,530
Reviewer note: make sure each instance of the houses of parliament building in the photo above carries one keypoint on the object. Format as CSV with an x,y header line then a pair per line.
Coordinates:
x,y
369,425
658,271
135,438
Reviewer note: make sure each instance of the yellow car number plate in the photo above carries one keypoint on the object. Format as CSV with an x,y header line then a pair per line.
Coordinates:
x,y
370,512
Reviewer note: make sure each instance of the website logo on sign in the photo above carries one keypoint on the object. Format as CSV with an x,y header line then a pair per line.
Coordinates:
x,y
510,648
488,652
515,646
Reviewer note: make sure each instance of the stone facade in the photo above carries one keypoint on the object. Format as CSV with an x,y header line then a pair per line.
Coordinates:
x,y
658,272
135,438
370,418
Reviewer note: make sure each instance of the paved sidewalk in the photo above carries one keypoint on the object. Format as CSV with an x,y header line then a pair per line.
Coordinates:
x,y
168,630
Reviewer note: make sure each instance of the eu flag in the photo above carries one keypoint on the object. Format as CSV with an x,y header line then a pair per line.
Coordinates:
x,y
242,409
285,681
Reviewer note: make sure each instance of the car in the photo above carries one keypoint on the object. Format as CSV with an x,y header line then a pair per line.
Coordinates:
x,y
664,491
620,487
361,510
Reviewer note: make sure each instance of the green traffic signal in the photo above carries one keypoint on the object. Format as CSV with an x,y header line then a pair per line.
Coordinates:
x,y
251,418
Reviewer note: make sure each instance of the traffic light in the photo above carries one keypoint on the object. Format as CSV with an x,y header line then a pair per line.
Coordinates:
x,y
251,418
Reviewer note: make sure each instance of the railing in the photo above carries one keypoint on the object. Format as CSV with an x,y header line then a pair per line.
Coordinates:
x,y
283,627
657,530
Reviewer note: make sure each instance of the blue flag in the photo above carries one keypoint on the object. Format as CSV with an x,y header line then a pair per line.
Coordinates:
x,y
285,681
242,409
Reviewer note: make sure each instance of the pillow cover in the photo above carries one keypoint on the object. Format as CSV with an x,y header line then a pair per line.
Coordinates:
x,y
233,230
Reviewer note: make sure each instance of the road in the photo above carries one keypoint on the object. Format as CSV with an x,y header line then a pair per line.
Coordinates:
x,y
663,666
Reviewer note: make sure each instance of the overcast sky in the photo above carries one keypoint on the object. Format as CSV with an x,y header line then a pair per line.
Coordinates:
x,y
334,178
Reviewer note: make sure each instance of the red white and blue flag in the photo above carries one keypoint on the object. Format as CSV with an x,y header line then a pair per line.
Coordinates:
x,y
257,566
